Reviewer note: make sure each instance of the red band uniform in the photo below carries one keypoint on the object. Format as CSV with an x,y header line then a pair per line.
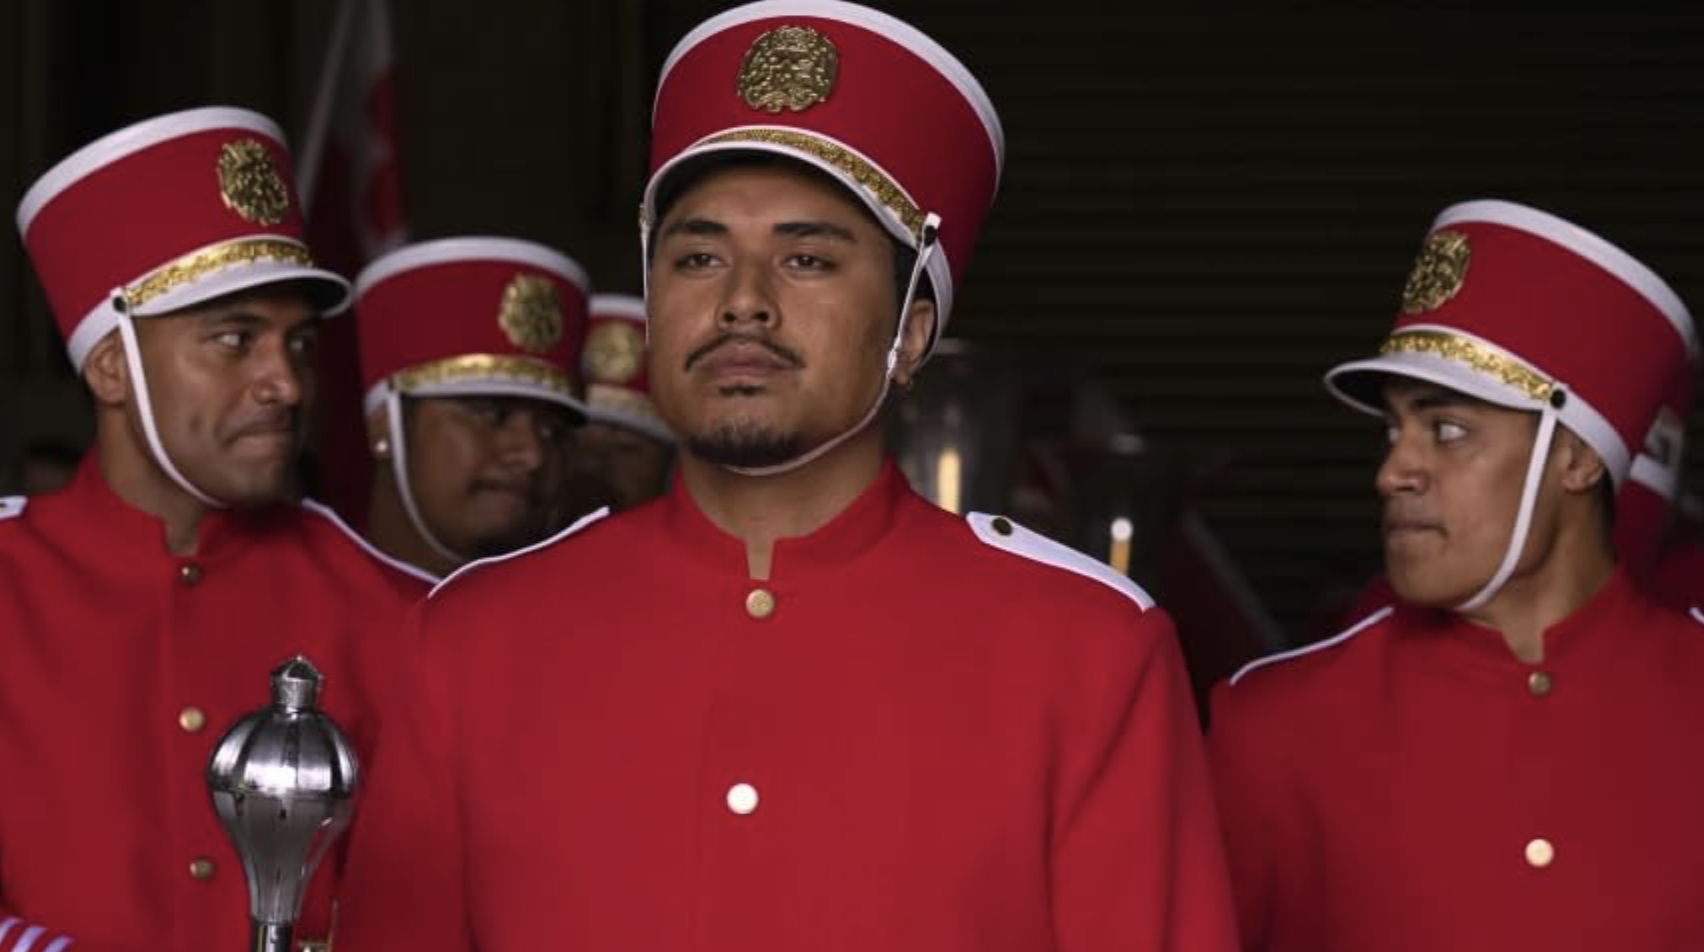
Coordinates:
x,y
1412,784
920,732
123,662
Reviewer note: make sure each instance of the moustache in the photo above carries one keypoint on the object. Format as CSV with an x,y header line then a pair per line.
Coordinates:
x,y
791,358
272,421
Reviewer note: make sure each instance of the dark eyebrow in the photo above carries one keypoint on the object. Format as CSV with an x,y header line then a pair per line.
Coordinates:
x,y
815,229
695,226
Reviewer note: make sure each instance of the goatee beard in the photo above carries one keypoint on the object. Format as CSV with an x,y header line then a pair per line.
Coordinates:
x,y
745,447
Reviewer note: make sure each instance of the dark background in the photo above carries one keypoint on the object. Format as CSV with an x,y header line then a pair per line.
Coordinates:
x,y
1204,204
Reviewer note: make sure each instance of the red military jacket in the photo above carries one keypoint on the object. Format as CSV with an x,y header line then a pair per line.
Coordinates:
x,y
1412,785
120,666
921,732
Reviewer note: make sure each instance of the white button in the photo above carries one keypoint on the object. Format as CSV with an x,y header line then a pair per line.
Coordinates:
x,y
742,798
1539,853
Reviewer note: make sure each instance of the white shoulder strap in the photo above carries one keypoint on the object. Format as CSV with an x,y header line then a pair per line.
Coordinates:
x,y
1004,534
1337,639
476,564
330,515
11,507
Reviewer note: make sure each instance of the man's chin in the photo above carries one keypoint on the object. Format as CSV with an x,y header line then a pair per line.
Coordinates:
x,y
745,446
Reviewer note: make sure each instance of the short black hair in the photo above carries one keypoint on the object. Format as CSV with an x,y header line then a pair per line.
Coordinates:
x,y
689,173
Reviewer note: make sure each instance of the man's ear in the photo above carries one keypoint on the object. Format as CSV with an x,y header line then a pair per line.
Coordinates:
x,y
106,373
1581,467
919,330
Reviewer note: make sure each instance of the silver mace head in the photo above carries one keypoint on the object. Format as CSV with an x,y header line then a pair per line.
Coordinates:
x,y
282,780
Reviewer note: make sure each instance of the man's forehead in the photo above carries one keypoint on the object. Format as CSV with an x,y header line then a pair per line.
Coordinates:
x,y
765,193
1411,393
287,302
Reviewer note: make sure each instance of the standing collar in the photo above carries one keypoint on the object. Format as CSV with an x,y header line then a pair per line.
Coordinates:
x,y
852,532
127,530
1584,631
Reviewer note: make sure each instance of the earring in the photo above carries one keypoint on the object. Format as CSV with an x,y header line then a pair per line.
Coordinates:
x,y
381,448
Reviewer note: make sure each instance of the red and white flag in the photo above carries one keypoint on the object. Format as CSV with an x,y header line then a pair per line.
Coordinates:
x,y
351,188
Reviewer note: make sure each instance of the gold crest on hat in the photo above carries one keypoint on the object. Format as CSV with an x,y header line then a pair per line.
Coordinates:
x,y
531,315
615,352
789,67
1438,272
250,184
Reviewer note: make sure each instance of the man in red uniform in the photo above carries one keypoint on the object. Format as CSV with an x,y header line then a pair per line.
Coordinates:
x,y
468,350
1499,760
796,706
142,608
623,455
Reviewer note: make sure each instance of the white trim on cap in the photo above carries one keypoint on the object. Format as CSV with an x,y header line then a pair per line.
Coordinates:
x,y
1660,479
939,270
474,387
1577,414
469,249
102,319
875,21
624,306
1341,637
132,139
1036,547
1592,247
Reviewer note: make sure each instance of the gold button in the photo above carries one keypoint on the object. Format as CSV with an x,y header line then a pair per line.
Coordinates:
x,y
190,573
1538,683
1539,853
1002,525
760,603
191,719
201,868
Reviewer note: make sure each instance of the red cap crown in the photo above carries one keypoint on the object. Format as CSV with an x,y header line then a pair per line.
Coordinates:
x,y
1522,309
166,214
618,388
852,91
472,316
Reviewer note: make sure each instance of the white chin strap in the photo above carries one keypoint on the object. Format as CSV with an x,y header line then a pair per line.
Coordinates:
x,y
145,409
925,251
399,472
1529,496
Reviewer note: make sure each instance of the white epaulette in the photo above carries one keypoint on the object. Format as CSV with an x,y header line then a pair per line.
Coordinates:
x,y
579,524
379,555
1336,639
1697,615
1008,536
11,507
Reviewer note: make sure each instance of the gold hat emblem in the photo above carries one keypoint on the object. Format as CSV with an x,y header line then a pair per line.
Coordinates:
x,y
1438,272
531,315
615,352
789,67
250,184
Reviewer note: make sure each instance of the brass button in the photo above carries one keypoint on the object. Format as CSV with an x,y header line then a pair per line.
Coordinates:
x,y
760,603
191,719
1538,683
1539,853
190,573
1002,525
201,868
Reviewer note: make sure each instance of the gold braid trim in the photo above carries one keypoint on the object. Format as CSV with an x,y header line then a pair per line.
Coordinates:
x,y
193,267
843,159
474,367
1472,354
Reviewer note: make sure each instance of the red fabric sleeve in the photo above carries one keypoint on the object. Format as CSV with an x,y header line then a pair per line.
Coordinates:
x,y
1243,774
404,887
1137,858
